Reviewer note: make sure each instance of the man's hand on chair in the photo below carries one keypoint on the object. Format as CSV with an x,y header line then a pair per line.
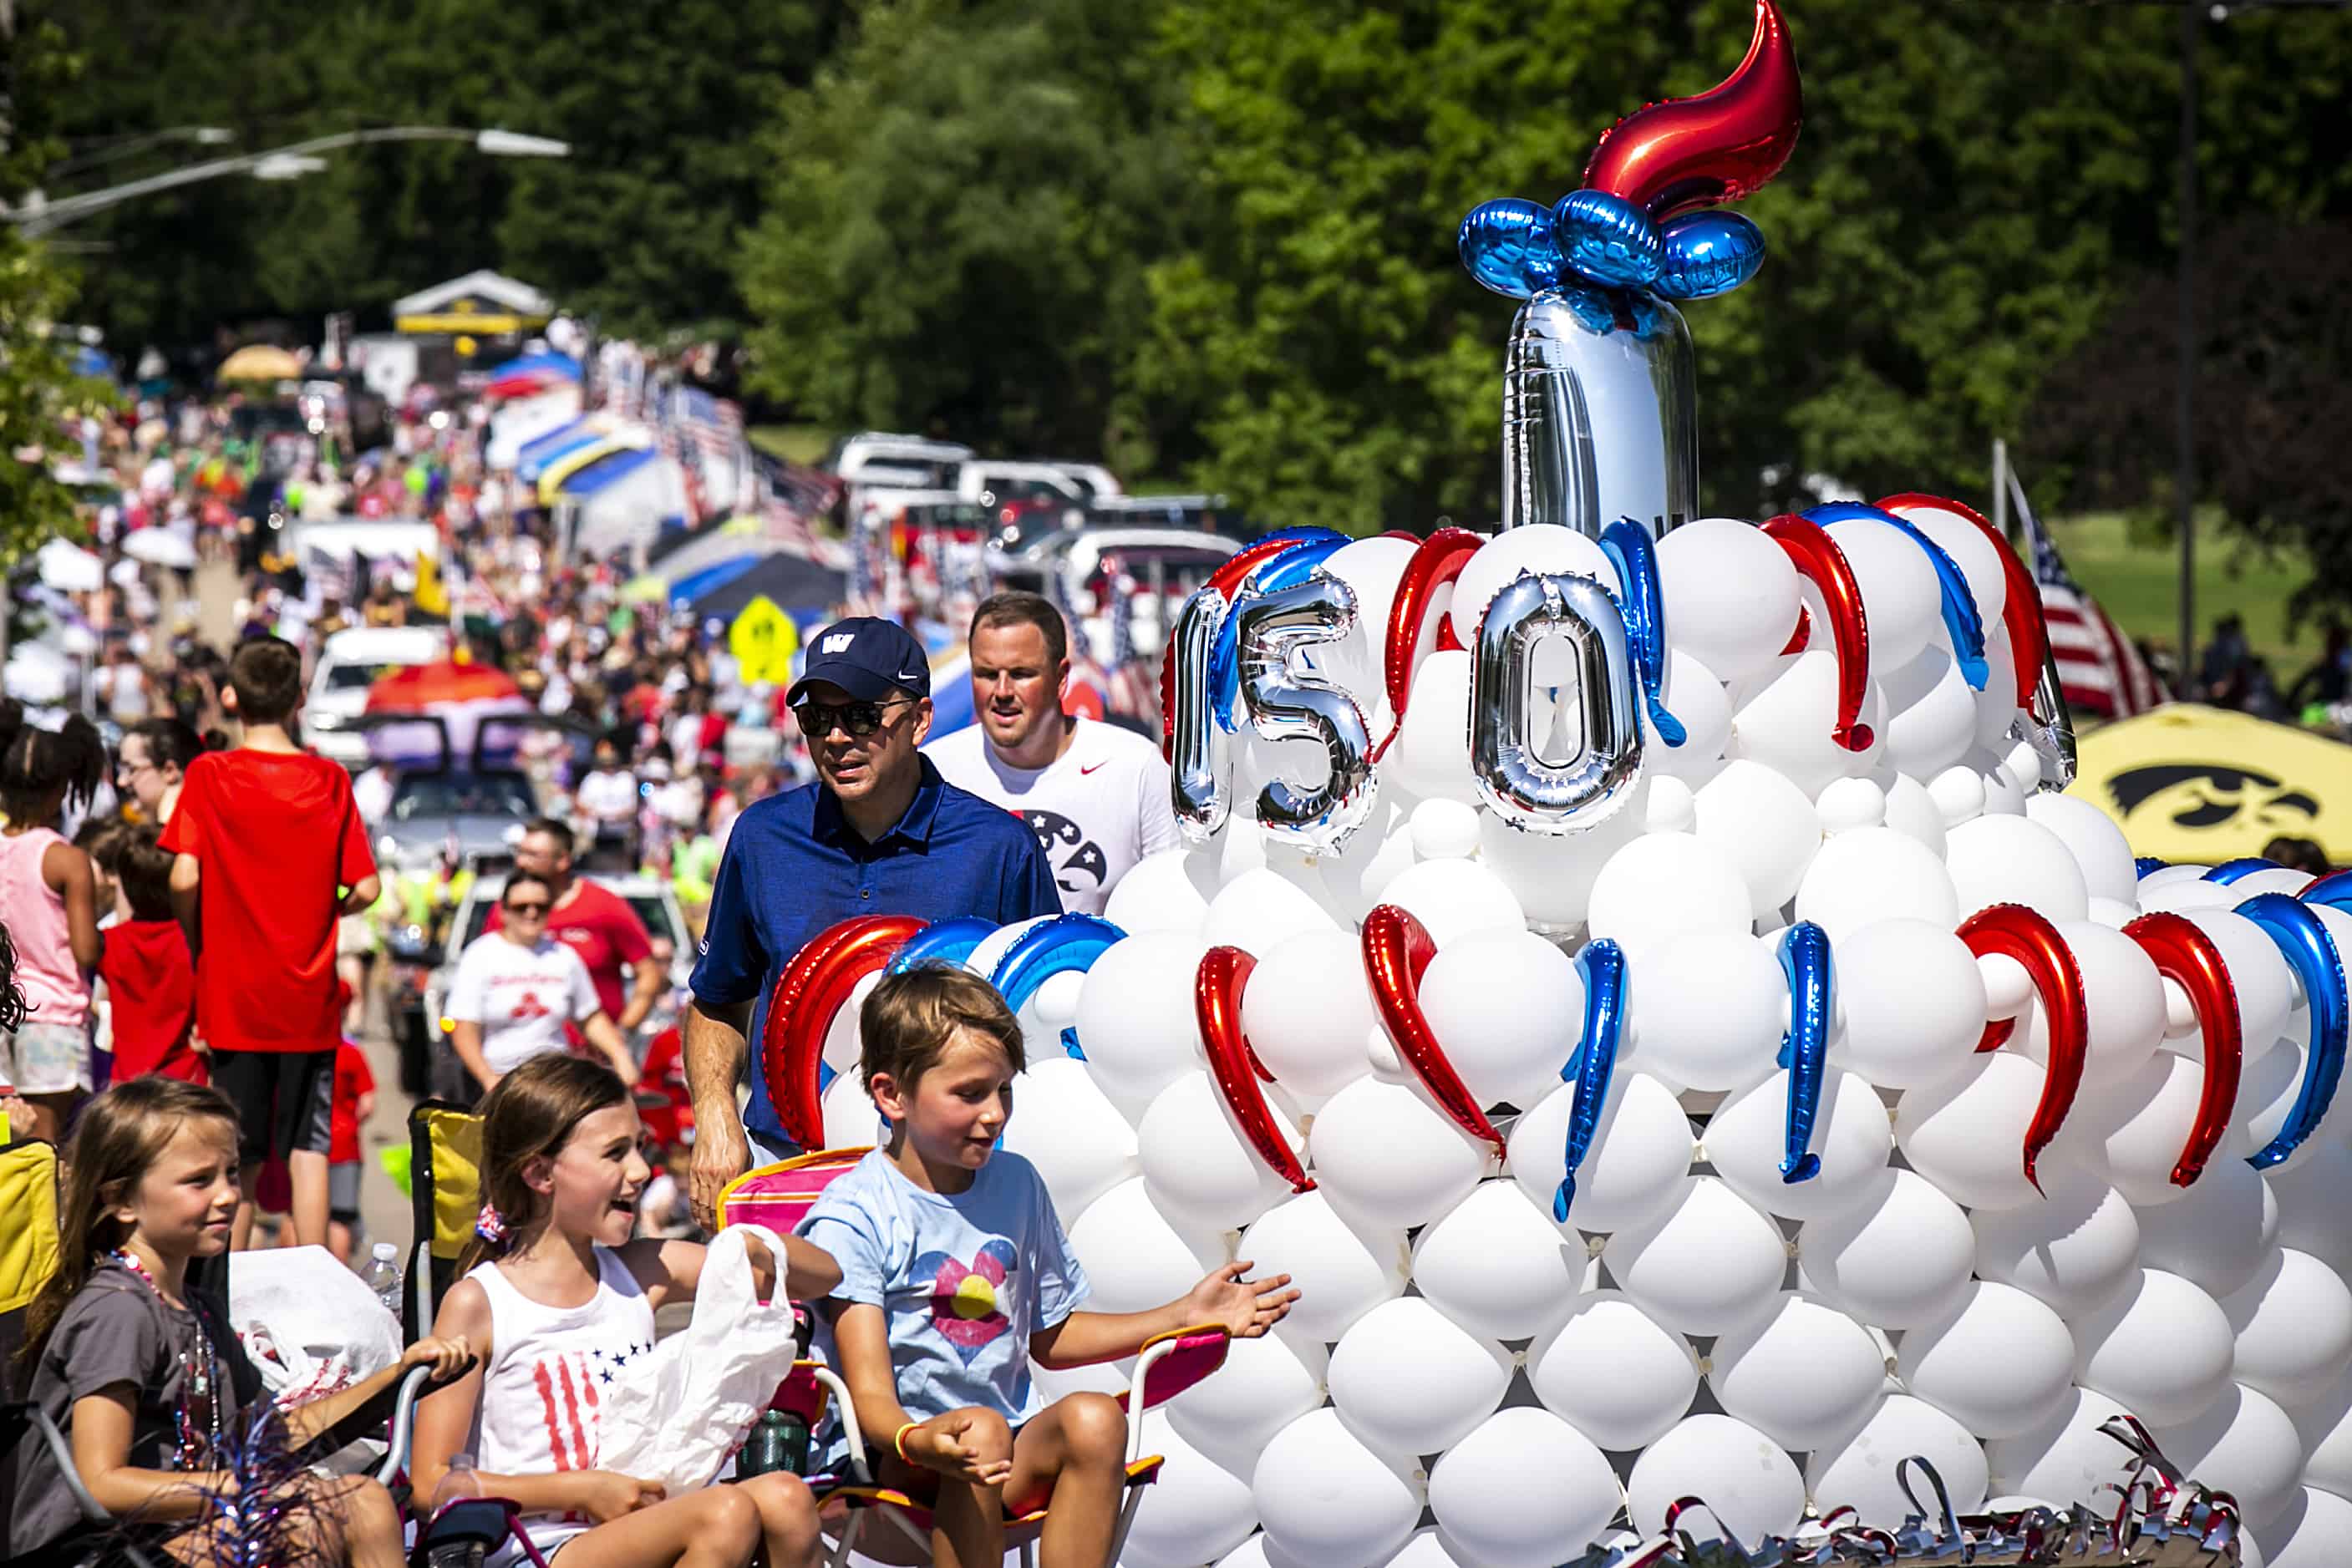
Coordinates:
x,y
721,1154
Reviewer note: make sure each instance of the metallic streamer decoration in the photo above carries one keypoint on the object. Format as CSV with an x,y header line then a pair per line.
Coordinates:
x,y
943,941
1437,561
1200,763
1217,986
1286,702
1512,775
2187,956
2239,868
2021,607
1599,420
1804,1050
1720,146
814,986
1963,623
2147,863
1397,950
1601,966
2309,947
1630,550
1820,561
2027,937
2047,726
1067,944
2334,890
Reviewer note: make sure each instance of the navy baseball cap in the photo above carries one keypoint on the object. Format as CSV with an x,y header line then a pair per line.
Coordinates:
x,y
867,657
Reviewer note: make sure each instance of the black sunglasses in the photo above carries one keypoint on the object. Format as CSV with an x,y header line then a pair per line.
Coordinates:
x,y
534,907
859,718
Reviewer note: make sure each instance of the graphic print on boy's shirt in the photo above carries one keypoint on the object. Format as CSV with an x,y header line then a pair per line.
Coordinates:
x,y
966,1310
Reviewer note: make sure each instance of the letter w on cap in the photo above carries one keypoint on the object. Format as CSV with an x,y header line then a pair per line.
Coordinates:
x,y
840,643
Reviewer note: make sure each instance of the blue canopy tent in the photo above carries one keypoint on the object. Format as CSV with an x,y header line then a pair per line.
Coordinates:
x,y
604,471
687,589
536,454
551,364
793,581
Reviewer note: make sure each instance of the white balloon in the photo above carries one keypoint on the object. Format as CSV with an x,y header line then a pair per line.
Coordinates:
x,y
1429,1548
1387,1156
1641,1149
1551,877
2294,1326
1326,1498
1508,1007
2064,1459
2124,1001
1700,705
1157,895
1913,812
1267,1384
2015,860
1911,1003
2138,1128
2220,1234
1065,1127
1260,910
1703,1265
2312,1216
2266,987
1430,754
1931,713
1707,1010
1747,1137
1612,1373
1456,898
1803,1373
1850,803
2184,895
1959,795
1371,568
2310,1532
1133,1258
1786,721
1896,1258
1670,807
2092,837
1550,549
2004,794
1768,827
1445,830
1408,1380
1751,1486
1340,1273
850,1119
1734,594
1307,1010
1966,1133
1135,1014
2324,1425
1900,592
2268,1089
1860,1473
842,1042
1200,1167
1196,1511
2073,1251
1522,1488
1996,1363
1496,1265
2164,1348
2241,1444
1663,884
1871,875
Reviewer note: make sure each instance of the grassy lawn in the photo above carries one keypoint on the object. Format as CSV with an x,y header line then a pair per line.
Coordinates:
x,y
2133,573
803,443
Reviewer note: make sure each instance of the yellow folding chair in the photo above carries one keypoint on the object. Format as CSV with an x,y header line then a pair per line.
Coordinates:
x,y
445,1185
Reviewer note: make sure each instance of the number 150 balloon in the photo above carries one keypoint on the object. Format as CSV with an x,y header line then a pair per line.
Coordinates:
x,y
1514,777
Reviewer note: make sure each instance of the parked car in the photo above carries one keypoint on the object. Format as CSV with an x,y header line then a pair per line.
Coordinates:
x,y
938,461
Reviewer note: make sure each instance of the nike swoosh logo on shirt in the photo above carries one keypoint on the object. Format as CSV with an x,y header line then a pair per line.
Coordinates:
x,y
1084,771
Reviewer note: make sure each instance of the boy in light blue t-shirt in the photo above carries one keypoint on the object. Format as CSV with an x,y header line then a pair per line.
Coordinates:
x,y
955,1275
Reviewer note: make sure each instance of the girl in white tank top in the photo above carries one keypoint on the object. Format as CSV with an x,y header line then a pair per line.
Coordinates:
x,y
560,1305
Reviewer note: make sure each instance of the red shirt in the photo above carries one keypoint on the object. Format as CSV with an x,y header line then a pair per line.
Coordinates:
x,y
279,839
151,985
352,1079
598,925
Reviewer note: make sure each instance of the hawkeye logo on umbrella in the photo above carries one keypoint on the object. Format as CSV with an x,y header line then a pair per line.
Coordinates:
x,y
2210,795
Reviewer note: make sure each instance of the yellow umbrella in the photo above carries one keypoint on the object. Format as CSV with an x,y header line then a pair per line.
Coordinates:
x,y
2198,785
259,362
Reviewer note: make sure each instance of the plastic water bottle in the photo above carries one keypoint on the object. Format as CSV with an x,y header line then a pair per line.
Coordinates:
x,y
382,1275
457,1541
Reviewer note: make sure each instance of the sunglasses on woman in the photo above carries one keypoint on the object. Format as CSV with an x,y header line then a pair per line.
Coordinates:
x,y
532,907
859,718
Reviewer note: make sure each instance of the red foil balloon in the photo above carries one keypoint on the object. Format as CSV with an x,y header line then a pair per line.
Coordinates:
x,y
2021,605
1717,147
814,986
1802,636
1397,951
1217,988
2184,953
2018,933
1820,562
1435,565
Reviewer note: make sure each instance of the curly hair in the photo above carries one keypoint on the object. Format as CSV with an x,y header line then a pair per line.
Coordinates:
x,y
13,1010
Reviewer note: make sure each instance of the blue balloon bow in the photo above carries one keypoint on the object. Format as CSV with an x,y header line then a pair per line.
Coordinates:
x,y
2239,868
1607,239
1627,545
2147,863
1508,247
1706,253
1224,649
1804,1049
1522,248
2334,890
943,941
1064,944
1963,622
1601,966
2308,946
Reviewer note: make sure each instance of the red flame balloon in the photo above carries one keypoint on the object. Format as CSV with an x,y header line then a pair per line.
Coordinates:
x,y
2021,933
2184,953
1437,562
2021,605
1217,988
1717,147
1820,561
1397,951
814,986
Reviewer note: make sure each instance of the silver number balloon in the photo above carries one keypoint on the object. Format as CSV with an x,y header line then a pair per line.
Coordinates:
x,y
1598,418
2048,726
1288,700
1200,762
1514,777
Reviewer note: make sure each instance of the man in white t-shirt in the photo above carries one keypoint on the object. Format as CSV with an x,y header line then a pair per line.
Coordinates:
x,y
1095,795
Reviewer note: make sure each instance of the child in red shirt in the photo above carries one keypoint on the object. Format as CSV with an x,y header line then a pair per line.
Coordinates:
x,y
271,853
151,980
354,1103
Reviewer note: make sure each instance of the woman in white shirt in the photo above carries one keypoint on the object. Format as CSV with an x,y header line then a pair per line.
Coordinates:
x,y
516,988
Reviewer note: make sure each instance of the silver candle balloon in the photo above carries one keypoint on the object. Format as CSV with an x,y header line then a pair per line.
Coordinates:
x,y
1599,412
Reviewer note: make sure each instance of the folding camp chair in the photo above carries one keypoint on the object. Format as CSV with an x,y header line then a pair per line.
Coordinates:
x,y
779,1195
444,1186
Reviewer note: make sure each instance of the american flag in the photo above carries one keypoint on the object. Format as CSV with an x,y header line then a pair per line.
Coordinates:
x,y
2099,668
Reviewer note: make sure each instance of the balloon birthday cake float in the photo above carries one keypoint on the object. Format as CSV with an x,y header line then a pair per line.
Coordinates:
x,y
1635,972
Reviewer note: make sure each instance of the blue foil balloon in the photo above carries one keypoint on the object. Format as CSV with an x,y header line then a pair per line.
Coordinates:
x,y
1601,966
1293,567
1963,623
1225,651
2239,868
1627,545
1804,1049
2334,890
1508,247
1606,238
1064,944
2311,949
943,941
2147,863
1705,254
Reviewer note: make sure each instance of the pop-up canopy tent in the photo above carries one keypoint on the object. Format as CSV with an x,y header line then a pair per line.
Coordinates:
x,y
793,581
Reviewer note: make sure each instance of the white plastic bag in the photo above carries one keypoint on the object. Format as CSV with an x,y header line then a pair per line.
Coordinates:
x,y
324,1329
678,1414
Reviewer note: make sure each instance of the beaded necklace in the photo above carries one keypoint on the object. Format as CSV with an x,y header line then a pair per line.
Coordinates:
x,y
199,1416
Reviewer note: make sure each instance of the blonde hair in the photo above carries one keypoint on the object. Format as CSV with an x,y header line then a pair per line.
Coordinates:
x,y
529,1115
910,1020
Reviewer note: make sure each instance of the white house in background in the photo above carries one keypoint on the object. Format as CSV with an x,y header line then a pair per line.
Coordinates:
x,y
459,323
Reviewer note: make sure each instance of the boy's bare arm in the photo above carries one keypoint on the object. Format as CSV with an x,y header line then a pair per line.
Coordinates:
x,y
187,877
364,895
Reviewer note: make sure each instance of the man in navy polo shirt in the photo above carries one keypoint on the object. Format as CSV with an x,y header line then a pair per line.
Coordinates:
x,y
879,833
